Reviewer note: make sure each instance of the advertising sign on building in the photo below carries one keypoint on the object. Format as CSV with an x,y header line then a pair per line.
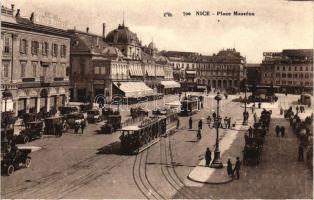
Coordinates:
x,y
49,19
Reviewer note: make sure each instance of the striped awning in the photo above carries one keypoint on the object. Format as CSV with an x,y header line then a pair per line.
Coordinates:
x,y
170,84
134,89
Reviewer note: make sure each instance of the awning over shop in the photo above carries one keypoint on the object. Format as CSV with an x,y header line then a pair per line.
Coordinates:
x,y
160,72
201,86
134,89
170,84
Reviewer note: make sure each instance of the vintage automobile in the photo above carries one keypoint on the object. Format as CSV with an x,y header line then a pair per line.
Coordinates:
x,y
138,112
65,110
232,90
305,99
33,130
112,124
94,116
106,112
29,117
262,95
55,126
73,119
15,159
7,130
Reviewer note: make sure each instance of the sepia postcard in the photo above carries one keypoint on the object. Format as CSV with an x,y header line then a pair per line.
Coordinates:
x,y
163,99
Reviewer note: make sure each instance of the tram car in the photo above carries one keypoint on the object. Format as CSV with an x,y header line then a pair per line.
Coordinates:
x,y
189,106
138,136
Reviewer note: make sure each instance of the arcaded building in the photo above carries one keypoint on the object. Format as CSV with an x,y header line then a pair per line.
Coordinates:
x,y
35,64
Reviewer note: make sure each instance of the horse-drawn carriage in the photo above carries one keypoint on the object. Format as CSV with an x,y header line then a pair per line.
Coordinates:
x,y
251,155
255,140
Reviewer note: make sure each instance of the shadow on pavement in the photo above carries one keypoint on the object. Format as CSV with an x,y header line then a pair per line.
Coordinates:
x,y
112,148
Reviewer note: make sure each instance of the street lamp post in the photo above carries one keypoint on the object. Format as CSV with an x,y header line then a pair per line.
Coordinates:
x,y
245,100
6,95
217,163
119,84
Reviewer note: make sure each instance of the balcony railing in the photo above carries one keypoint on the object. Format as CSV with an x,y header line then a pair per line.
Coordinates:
x,y
46,79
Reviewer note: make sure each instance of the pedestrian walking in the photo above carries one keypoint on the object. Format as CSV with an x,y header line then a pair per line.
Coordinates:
x,y
214,115
236,169
226,122
200,124
190,123
83,126
277,129
229,122
208,157
76,128
209,120
282,130
229,167
259,105
178,123
255,117
199,134
250,132
297,108
300,157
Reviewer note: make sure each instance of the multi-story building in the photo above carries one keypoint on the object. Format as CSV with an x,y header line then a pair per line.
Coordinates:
x,y
253,74
184,67
291,70
223,70
195,71
35,63
146,68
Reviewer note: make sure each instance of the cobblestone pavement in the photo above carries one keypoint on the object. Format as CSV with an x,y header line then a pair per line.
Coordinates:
x,y
71,166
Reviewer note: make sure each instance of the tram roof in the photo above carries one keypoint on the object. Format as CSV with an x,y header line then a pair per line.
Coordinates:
x,y
130,128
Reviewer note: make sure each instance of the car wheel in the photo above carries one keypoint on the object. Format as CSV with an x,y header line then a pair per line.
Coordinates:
x,y
27,162
10,170
25,139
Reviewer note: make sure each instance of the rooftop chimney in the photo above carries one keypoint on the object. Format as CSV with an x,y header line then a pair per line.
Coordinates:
x,y
17,13
12,8
87,29
32,17
103,30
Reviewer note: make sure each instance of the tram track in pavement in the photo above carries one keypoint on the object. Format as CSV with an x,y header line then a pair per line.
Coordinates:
x,y
141,180
169,173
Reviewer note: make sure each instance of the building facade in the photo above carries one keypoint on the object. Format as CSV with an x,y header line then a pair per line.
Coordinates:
x,y
253,74
103,67
35,63
291,70
195,71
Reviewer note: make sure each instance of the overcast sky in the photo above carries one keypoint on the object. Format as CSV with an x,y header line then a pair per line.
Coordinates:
x,y
277,24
